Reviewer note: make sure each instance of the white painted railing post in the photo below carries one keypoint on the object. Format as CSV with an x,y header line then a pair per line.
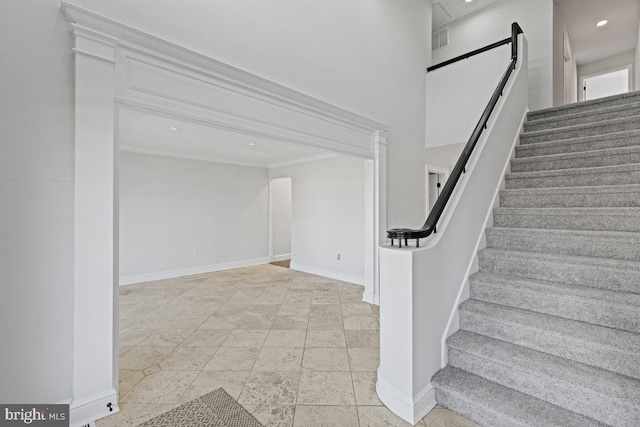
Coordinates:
x,y
95,250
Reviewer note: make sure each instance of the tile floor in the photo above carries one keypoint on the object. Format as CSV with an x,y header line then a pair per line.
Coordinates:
x,y
292,348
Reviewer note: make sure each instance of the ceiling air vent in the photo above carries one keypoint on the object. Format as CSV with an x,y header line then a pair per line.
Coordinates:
x,y
440,39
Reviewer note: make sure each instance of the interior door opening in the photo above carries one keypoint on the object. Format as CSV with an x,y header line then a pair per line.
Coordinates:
x,y
280,221
609,83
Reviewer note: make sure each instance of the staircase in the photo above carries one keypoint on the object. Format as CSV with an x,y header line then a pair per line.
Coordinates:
x,y
551,333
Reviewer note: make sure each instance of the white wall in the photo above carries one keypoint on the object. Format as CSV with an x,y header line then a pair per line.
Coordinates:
x,y
565,73
36,193
280,199
494,23
171,207
605,64
368,56
327,217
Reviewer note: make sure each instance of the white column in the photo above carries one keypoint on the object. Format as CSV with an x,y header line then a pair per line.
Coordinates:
x,y
376,215
95,215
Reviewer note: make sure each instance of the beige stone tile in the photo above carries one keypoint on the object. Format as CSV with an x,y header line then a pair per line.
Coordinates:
x,y
298,297
290,322
326,388
285,338
362,338
326,310
361,322
123,349
186,321
161,387
233,359
167,337
245,338
325,296
364,359
256,321
279,359
206,338
326,416
325,322
364,385
272,415
442,417
139,358
325,338
270,388
325,359
131,336
380,416
188,359
294,310
356,309
207,381
221,321
127,379
152,370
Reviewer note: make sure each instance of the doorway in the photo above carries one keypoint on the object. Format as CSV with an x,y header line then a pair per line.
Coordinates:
x,y
435,186
280,207
606,83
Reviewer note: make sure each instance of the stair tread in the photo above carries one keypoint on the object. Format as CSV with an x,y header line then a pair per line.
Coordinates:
x,y
592,103
521,408
566,259
602,211
578,140
600,336
557,289
583,126
520,358
580,154
630,237
625,188
593,170
588,113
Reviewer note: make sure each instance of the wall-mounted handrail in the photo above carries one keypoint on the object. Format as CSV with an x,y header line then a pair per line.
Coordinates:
x,y
470,54
438,208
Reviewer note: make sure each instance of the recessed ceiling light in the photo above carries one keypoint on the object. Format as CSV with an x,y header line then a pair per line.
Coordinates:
x,y
253,144
602,23
468,1
172,128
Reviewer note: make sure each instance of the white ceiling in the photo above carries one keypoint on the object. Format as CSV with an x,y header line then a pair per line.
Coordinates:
x,y
455,9
590,43
146,133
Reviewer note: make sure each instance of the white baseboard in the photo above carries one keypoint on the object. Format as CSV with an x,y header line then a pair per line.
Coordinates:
x,y
284,257
410,408
368,297
318,271
87,411
170,274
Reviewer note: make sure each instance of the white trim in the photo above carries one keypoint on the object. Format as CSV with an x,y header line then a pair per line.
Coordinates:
x,y
319,271
303,159
453,324
410,408
189,157
86,411
170,274
278,258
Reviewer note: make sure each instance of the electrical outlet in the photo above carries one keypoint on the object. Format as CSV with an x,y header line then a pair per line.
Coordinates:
x,y
338,257
196,254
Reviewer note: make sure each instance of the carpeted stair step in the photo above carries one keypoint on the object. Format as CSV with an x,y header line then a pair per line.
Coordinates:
x,y
598,346
578,131
491,404
589,243
593,176
574,145
597,196
584,117
607,219
582,159
580,107
601,273
595,393
602,307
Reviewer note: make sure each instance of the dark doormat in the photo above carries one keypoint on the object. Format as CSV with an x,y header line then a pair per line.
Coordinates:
x,y
215,409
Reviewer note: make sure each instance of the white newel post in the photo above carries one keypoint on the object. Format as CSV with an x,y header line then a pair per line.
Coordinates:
x,y
94,222
376,215
403,376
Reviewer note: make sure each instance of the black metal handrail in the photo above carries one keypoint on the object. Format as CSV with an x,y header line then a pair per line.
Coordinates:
x,y
470,54
460,167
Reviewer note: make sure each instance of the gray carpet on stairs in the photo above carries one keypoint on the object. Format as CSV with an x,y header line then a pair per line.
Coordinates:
x,y
550,335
